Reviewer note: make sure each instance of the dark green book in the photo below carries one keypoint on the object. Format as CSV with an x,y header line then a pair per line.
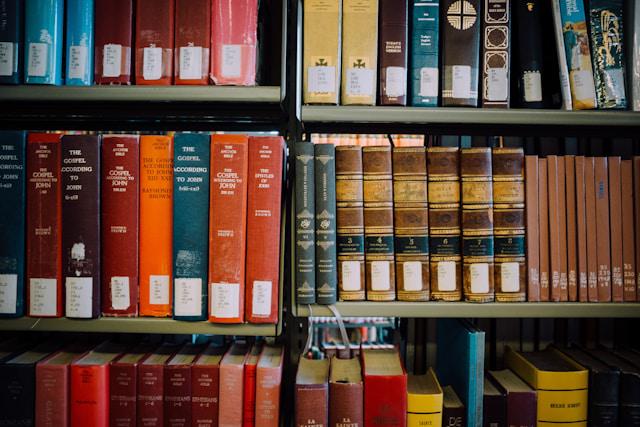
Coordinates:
x,y
305,249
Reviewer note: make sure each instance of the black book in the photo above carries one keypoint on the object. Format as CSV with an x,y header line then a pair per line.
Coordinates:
x,y
528,57
453,411
494,405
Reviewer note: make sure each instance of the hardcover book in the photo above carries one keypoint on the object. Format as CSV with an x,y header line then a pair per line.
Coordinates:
x,y
532,211
628,233
633,12
636,209
123,387
205,386
496,53
494,405
44,21
346,392
177,386
312,393
592,246
151,385
113,41
530,62
454,413
571,210
268,386
581,229
615,229
603,230
521,399
249,386
79,42
232,369
11,39
326,251
305,248
563,67
393,52
192,41
424,400
555,291
154,42
562,227
384,376
543,206
424,78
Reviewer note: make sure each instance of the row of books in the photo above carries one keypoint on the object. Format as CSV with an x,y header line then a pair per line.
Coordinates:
x,y
157,225
183,42
488,53
167,385
413,223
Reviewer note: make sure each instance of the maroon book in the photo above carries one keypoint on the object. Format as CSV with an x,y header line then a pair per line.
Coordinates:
x,y
150,409
205,387
393,52
521,399
119,222
123,386
177,387
193,37
154,42
113,41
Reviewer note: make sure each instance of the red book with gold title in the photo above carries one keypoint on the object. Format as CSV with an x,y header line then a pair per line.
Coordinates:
x,y
154,42
192,39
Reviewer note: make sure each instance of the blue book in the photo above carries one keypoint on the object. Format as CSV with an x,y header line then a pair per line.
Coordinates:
x,y
12,222
190,225
44,20
79,43
460,363
11,16
423,60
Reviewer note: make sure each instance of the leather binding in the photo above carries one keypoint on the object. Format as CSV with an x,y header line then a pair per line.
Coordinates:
x,y
350,223
543,222
572,240
378,223
155,21
443,188
150,401
11,28
123,387
424,400
264,210
411,226
305,209
177,386
454,414
81,224
603,230
119,222
636,210
321,51
346,393
268,386
228,227
496,53
232,369
384,376
393,52
494,404
592,246
532,228
312,393
79,42
44,225
113,41
424,36
581,229
192,41
249,386
477,224
43,42
509,200
326,251
460,52
562,226
12,224
359,52
205,386
615,229
521,399
555,263
156,225
628,232
530,62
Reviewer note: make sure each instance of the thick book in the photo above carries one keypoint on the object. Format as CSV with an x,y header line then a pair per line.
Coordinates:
x,y
630,267
424,81
113,41
393,52
521,399
205,386
591,218
228,228
192,41
44,225
119,221
346,392
572,240
150,388
424,400
532,228
11,39
494,405
79,37
312,392
177,386
154,27
264,220
232,369
603,230
529,59
12,222
496,53
191,160
563,67
249,386
562,228
454,414
268,386
543,236
156,223
615,229
305,220
123,387
581,229
326,244
43,45
384,376
555,267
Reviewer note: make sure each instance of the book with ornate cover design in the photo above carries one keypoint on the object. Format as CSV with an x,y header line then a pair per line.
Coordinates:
x,y
530,62
532,228
615,229
384,375
305,212
424,400
268,386
572,240
603,230
79,36
581,229
592,247
628,232
177,386
113,41
555,293
205,386
192,41
393,52
496,53
312,392
543,236
326,251
154,41
43,45
346,392
123,387
562,227
11,50
424,78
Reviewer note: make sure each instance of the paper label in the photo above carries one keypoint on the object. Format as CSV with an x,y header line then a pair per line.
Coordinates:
x,y
380,276
532,86
120,294
42,297
396,81
447,276
111,60
583,85
510,277
6,58
359,81
479,278
231,60
351,276
461,82
188,297
225,300
37,60
79,296
152,63
412,275
497,84
8,293
77,62
322,79
428,82
191,62
158,289
261,300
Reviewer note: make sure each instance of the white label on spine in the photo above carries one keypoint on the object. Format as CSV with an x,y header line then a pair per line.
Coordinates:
x,y
120,293
380,276
583,85
322,79
43,297
396,81
77,62
447,276
412,275
510,277
152,63
79,297
188,297
111,60
479,278
532,86
231,60
497,84
351,276
6,58
261,301
461,81
8,293
37,61
225,300
158,289
428,82
190,62
359,82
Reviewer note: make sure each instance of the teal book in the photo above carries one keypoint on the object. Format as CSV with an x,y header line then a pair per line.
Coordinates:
x,y
44,20
326,245
79,43
305,222
423,59
11,26
190,225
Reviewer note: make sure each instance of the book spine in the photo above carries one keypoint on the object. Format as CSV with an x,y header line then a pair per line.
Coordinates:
x,y
565,87
543,223
379,410
581,231
51,395
113,41
12,224
636,215
496,53
311,405
603,230
326,251
231,390
393,52
81,225
89,395
249,396
177,395
530,53
411,223
628,232
11,45
592,246
79,42
572,240
154,42
191,154
204,395
268,385
18,388
346,404
633,12
555,264
425,29
615,229
521,409
156,223
305,248
150,404
562,227
192,41
122,395
532,228
43,46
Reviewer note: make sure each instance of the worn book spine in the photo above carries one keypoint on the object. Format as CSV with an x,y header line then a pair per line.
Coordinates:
x,y
571,221
268,389
51,394
424,78
565,87
177,395
555,292
89,395
350,223
581,229
532,228
592,246
411,223
496,53
530,54
123,378
43,45
154,26
113,41
192,41
11,49
346,404
231,393
79,34
305,248
150,398
205,389
628,232
311,405
615,229
543,223
445,256
603,230
393,52
562,227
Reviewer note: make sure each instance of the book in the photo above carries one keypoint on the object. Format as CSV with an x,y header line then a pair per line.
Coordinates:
x,y
151,386
633,14
636,210
563,62
79,38
346,392
113,41
615,229
249,386
592,246
603,231
453,411
234,28
581,229
43,32
532,228
555,262
120,183
562,223
326,244
572,239
155,21
494,404
177,386
80,173
424,400
228,227
424,78
231,399
205,386
43,232
264,219
12,222
411,223
192,41
393,52
305,248
123,386
156,223
11,39
268,386
312,392
359,51
384,376
543,206
530,61
521,399
321,56
496,53
628,232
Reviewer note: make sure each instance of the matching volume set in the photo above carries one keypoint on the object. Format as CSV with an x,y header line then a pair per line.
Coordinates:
x,y
184,225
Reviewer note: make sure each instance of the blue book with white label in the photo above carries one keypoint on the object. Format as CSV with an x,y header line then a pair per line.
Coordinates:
x,y
12,222
11,17
79,43
44,20
423,59
190,225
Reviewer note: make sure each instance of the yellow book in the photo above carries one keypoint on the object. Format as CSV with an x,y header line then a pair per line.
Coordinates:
x,y
424,400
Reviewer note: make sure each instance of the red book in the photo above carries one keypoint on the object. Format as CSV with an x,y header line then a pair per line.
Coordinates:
x,y
154,42
615,221
228,223
249,386
123,384
113,37
150,410
234,28
263,228
119,223
44,224
628,232
231,385
177,387
205,387
193,36
268,383
384,376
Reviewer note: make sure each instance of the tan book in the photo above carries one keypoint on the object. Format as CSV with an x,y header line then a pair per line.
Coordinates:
x,y
562,226
615,229
543,207
603,230
572,240
628,232
532,228
555,262
592,245
581,229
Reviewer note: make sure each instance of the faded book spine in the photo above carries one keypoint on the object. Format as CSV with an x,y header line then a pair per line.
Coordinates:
x,y
496,53
326,252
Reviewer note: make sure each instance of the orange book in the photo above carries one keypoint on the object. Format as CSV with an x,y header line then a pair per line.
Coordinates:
x,y
156,224
628,231
232,366
592,242
615,229
603,230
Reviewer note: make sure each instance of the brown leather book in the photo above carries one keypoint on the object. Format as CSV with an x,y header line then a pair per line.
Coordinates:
x,y
346,393
496,53
581,229
532,228
615,230
603,230
555,262
636,209
312,392
393,52
572,241
562,226
628,232
592,245
543,223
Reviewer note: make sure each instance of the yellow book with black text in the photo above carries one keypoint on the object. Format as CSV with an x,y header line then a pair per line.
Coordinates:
x,y
424,400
